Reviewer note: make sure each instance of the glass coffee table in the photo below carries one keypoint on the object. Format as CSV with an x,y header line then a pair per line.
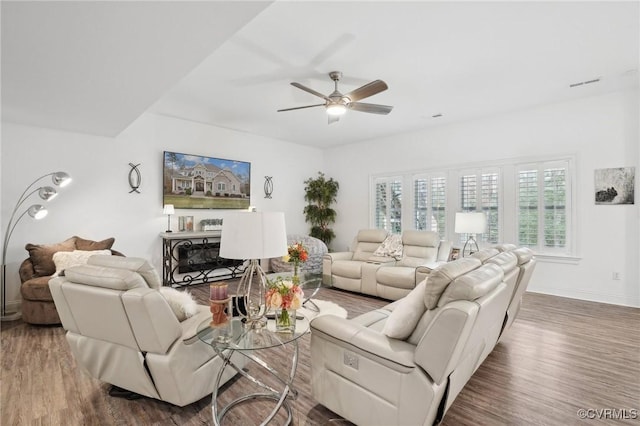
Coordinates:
x,y
310,282
247,341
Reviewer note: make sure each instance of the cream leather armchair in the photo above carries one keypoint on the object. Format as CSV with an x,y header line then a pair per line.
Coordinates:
x,y
122,331
404,364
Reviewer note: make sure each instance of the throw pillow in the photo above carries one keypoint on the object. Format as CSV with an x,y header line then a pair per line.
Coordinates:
x,y
82,244
390,247
67,259
404,318
181,302
42,255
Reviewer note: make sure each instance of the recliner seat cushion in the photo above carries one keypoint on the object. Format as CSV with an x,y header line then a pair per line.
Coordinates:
x,y
347,268
397,276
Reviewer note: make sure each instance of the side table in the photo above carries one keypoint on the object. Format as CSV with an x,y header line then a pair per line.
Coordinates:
x,y
246,341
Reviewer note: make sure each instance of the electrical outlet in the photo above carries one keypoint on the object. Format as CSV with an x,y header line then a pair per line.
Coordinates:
x,y
616,275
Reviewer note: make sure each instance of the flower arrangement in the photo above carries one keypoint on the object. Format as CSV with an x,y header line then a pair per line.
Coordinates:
x,y
297,253
284,295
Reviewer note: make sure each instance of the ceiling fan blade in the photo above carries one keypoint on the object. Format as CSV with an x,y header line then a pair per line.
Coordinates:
x,y
313,92
333,118
367,90
302,107
372,108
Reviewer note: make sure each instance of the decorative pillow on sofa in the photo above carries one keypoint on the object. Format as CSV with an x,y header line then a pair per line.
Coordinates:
x,y
67,259
82,244
404,318
181,302
42,255
390,247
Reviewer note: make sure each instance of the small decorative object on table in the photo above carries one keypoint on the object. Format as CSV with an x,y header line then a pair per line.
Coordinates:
x,y
297,253
284,296
219,304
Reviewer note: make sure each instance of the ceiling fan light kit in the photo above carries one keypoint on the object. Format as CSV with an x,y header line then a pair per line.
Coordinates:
x,y
336,104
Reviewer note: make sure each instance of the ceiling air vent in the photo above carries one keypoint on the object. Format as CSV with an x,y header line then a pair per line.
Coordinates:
x,y
582,83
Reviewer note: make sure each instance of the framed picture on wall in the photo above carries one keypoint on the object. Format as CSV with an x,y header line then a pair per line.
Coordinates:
x,y
615,185
198,182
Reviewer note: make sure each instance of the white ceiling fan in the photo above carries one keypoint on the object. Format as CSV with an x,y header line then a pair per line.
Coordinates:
x,y
337,104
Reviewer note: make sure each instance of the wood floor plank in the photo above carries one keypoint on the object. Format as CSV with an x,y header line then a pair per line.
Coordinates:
x,y
561,355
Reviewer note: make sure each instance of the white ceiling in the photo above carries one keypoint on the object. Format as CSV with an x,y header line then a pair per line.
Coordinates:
x,y
95,68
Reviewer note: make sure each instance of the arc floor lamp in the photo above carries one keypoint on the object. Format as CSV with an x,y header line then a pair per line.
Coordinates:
x,y
35,211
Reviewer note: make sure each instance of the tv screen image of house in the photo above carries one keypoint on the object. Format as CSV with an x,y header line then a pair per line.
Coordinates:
x,y
197,182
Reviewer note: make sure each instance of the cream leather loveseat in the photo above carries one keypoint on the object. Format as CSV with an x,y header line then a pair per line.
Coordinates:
x,y
365,271
404,364
122,331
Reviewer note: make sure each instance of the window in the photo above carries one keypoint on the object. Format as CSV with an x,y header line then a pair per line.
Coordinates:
x,y
388,204
222,186
543,205
429,204
480,191
526,202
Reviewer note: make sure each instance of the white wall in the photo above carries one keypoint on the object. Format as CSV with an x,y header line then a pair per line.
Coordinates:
x,y
601,131
98,205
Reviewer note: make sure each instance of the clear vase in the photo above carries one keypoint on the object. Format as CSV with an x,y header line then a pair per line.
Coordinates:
x,y
295,279
285,320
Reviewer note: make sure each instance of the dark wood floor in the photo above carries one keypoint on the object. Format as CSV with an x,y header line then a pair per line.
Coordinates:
x,y
560,356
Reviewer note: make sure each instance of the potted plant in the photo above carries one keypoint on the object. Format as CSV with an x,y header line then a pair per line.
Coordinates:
x,y
320,193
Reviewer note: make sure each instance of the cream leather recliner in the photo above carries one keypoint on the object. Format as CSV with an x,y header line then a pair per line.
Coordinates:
x,y
404,364
347,270
361,271
122,331
422,251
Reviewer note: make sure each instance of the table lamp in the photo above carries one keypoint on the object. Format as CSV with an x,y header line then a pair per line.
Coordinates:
x,y
168,210
471,223
253,236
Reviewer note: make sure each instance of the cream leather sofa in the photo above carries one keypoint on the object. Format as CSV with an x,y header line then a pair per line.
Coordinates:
x,y
404,364
361,271
122,331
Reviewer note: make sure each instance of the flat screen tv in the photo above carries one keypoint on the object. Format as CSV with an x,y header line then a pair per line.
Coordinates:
x,y
197,182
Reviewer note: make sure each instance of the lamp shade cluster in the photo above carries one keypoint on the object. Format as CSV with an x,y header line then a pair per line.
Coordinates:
x,y
35,211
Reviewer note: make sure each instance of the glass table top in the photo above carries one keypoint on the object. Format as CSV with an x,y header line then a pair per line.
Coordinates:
x,y
235,335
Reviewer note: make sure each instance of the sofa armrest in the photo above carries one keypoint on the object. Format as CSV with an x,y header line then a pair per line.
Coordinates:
x,y
26,270
339,255
444,250
426,268
396,354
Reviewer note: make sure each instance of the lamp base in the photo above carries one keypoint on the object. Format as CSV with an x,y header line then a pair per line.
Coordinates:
x,y
11,316
471,242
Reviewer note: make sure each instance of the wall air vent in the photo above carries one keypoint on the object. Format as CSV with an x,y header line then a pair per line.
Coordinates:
x,y
582,83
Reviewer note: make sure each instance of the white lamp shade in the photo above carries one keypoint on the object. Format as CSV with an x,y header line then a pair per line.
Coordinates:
x,y
168,209
471,223
253,235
